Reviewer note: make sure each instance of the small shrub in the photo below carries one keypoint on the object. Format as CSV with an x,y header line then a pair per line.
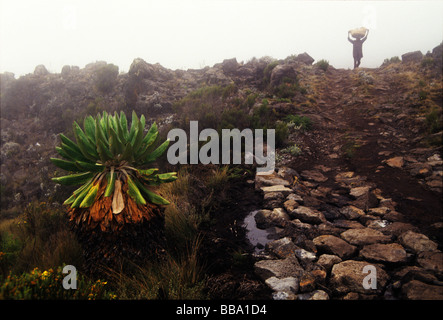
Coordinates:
x,y
299,122
281,133
40,238
263,117
292,150
204,105
106,77
268,70
350,147
323,64
427,62
10,247
392,60
250,100
422,95
434,121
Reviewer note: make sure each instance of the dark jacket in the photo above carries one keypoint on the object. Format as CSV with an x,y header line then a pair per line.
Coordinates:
x,y
358,47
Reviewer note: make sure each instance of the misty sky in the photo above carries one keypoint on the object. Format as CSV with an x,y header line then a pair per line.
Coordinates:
x,y
186,34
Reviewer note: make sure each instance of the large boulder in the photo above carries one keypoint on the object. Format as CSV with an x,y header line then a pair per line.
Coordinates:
x,y
230,66
40,70
144,70
304,58
415,56
283,72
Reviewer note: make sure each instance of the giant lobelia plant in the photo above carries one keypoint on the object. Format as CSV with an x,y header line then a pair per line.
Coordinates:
x,y
115,211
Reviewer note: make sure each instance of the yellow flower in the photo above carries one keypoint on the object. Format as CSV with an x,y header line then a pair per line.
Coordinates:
x,y
45,275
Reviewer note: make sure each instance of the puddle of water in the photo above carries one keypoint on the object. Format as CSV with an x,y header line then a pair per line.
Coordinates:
x,y
257,237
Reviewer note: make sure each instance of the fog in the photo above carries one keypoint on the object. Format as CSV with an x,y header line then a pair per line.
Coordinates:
x,y
197,33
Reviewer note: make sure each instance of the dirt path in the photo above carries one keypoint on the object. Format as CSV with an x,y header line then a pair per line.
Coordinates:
x,y
352,138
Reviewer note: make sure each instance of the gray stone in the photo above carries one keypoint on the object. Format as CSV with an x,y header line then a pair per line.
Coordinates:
x,y
66,71
347,224
307,282
328,260
308,215
393,216
287,174
364,236
284,295
378,224
282,248
380,211
281,72
416,242
333,245
314,295
313,175
304,58
420,170
290,205
295,197
348,276
392,252
352,212
417,290
40,70
230,65
359,191
396,162
414,56
304,255
388,203
277,188
397,228
273,196
434,157
301,225
266,218
328,228
431,260
436,183
282,268
270,180
288,284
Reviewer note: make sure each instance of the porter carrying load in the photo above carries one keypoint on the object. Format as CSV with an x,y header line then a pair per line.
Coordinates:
x,y
360,35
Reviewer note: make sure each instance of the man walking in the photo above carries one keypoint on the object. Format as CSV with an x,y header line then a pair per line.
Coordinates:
x,y
357,46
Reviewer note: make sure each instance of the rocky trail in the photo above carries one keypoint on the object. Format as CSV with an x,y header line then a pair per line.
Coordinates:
x,y
362,189
365,195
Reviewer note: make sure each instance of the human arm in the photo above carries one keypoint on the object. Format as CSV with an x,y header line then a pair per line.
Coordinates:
x,y
349,37
366,35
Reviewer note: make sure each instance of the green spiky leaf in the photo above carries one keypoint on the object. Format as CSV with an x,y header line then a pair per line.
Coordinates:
x,y
107,148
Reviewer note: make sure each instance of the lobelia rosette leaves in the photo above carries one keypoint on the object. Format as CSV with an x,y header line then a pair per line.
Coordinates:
x,y
108,150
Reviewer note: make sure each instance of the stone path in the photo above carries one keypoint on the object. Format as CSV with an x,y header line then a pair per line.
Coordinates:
x,y
330,226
